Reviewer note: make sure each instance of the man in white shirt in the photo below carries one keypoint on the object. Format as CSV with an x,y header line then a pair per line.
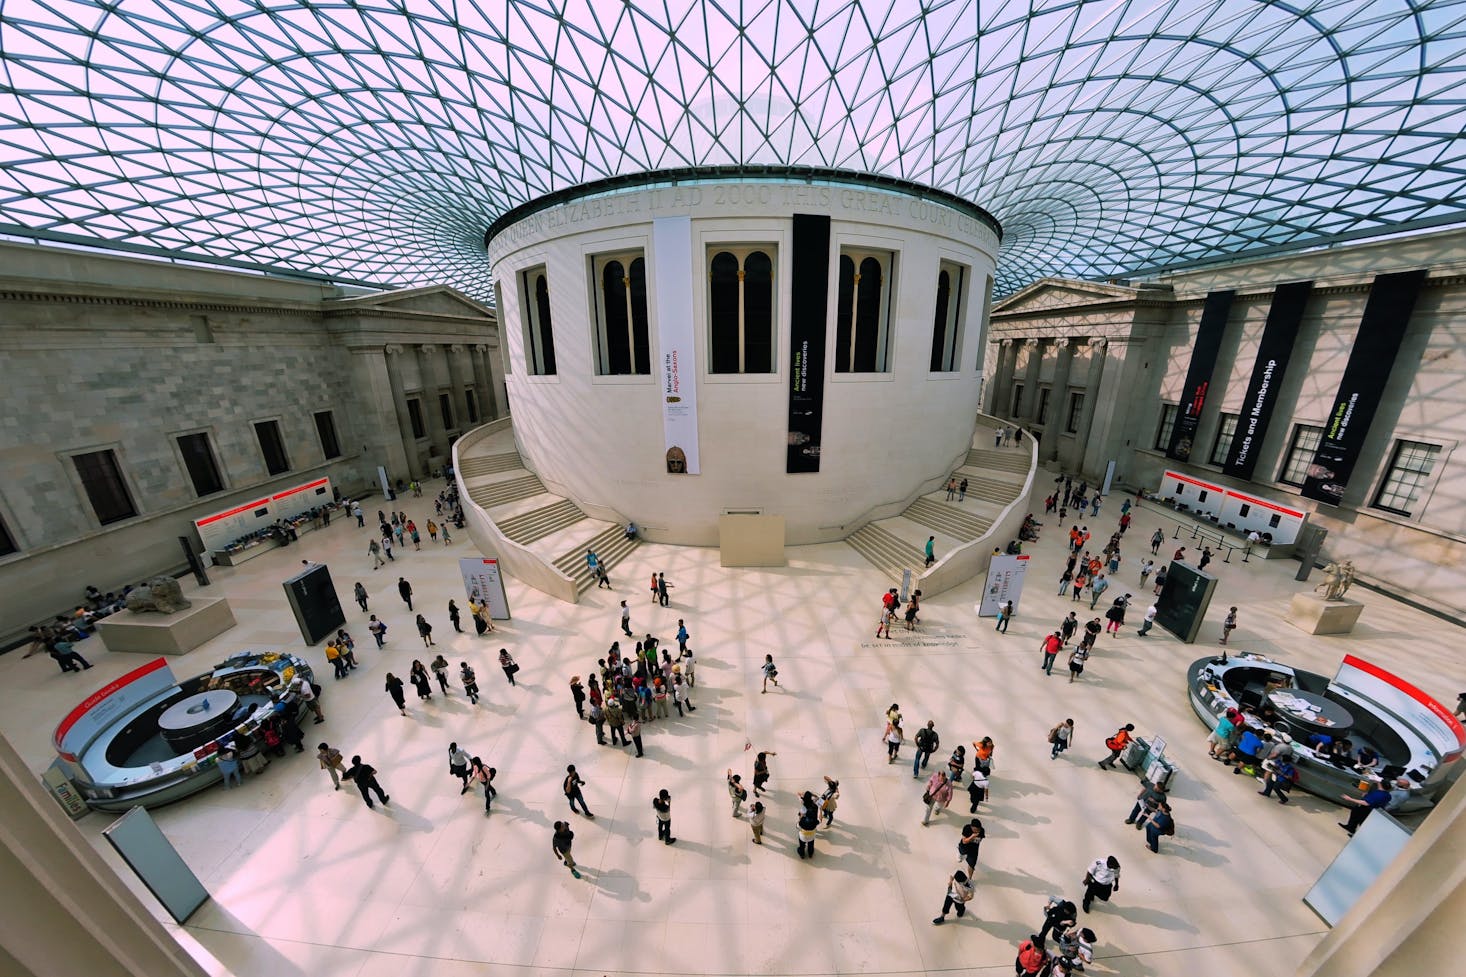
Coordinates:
x,y
1149,622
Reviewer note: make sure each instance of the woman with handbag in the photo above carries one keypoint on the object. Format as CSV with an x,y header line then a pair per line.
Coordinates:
x,y
480,774
507,662
938,791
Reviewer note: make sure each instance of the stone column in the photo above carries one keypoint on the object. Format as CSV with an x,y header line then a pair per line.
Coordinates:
x,y
1000,396
1075,462
455,384
393,354
483,387
1058,401
377,415
432,415
1028,409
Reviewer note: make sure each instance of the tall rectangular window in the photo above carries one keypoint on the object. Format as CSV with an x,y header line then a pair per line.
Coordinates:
x,y
499,322
272,445
7,541
622,338
1017,399
947,322
326,428
1409,473
414,417
863,311
1075,412
1306,439
539,332
741,309
1043,405
198,459
1226,431
1168,424
101,478
445,407
472,403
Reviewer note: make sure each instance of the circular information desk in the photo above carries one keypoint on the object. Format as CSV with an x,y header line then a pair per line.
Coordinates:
x,y
1311,712
197,718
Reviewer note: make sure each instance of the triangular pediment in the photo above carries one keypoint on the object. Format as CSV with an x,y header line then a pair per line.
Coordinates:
x,y
432,299
1058,293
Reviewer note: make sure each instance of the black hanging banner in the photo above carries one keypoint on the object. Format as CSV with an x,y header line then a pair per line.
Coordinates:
x,y
1386,314
1273,352
809,281
1198,374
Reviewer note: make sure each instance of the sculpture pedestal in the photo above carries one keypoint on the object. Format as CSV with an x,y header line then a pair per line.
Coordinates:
x,y
1314,615
167,634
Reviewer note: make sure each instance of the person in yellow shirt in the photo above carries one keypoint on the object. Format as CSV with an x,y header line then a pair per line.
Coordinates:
x,y
333,655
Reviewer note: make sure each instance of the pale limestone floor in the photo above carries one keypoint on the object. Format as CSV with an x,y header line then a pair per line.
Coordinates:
x,y
308,881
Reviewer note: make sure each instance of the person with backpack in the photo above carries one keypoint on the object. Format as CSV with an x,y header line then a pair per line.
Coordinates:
x,y
1032,958
808,824
959,893
927,743
480,774
470,682
1159,823
1116,745
1061,737
378,630
571,788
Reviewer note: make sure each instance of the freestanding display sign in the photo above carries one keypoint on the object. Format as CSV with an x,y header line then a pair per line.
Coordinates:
x,y
313,598
483,581
1004,583
1184,599
137,838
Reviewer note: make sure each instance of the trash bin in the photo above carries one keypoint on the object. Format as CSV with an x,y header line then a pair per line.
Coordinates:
x,y
1135,753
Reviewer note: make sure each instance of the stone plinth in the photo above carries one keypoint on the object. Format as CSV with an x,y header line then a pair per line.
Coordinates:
x,y
1313,614
167,634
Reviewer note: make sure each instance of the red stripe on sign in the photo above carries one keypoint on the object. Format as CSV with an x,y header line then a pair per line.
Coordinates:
x,y
1250,500
1023,556
232,512
1176,476
1440,711
110,689
298,488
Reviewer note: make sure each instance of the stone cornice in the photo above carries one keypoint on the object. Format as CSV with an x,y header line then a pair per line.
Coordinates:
x,y
102,298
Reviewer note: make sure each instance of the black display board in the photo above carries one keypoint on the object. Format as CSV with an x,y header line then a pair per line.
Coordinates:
x,y
1279,335
1386,314
809,282
1198,374
312,597
1184,599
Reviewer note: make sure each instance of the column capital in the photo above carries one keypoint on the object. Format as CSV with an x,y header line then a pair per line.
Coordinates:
x,y
1032,342
1005,343
426,348
480,347
1098,343
1061,343
455,348
393,349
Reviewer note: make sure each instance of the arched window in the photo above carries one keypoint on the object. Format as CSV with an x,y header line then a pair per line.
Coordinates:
x,y
539,333
862,318
741,310
947,322
623,345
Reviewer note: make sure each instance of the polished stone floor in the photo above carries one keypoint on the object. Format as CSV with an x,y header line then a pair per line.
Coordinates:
x,y
309,881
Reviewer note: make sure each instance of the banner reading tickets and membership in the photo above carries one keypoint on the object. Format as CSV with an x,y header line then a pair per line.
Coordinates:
x,y
672,245
483,581
1004,583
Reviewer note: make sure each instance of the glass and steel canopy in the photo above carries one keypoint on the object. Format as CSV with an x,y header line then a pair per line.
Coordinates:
x,y
375,140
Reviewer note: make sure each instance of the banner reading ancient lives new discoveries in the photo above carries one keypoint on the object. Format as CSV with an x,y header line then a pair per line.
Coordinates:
x,y
672,247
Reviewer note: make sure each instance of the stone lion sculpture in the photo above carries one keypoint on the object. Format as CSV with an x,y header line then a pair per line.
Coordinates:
x,y
160,594
1336,580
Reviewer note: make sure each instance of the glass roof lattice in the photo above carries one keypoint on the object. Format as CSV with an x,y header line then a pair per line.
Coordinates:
x,y
374,141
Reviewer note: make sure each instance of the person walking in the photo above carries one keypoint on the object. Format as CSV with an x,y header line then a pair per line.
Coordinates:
x,y
453,615
625,619
1065,580
662,587
959,893
361,596
771,674
1005,614
374,550
470,682
483,776
736,791
405,589
1097,586
931,550
1281,777
387,548
425,631
1229,625
356,511
893,738
418,676
458,761
977,789
662,805
309,693
1059,915
1067,627
957,763
378,631
395,690
508,664
1156,541
1077,658
756,818
1102,879
1116,615
1061,737
761,772
938,792
330,760
1116,745
571,788
412,532
830,800
1149,622
1205,558
1050,648
560,843
970,844
1160,581
364,775
440,672
927,743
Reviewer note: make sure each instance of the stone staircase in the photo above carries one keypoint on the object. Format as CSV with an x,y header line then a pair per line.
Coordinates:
x,y
950,522
997,460
885,551
509,490
489,464
611,547
539,523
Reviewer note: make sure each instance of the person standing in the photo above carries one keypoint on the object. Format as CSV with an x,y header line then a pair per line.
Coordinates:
x,y
1050,648
1102,879
756,818
577,695
1205,558
830,800
1116,745
688,663
356,511
625,619
508,664
309,693
330,760
1146,569
1156,541
931,550
364,775
418,675
453,615
927,743
394,689
662,804
1005,614
374,550
405,589
378,630
771,674
737,792
1229,625
361,595
470,682
571,788
425,630
1376,797
962,491
761,772
807,825
440,672
633,730
616,720
662,587
1061,737
560,843
959,893
1149,622
1160,581
938,792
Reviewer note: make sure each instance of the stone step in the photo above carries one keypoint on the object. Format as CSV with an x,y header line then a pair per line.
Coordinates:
x,y
539,523
497,493
487,464
991,489
1012,460
885,551
947,520
611,546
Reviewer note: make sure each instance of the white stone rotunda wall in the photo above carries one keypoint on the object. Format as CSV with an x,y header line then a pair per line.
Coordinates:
x,y
599,440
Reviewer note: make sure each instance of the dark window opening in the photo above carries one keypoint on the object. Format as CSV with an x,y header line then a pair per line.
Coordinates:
x,y
273,446
414,417
198,459
101,477
326,428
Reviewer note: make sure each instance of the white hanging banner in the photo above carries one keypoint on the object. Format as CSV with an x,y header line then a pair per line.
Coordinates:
x,y
483,582
672,251
1005,583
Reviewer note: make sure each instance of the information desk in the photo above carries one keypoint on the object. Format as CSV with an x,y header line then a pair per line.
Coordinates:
x,y
197,718
1311,713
